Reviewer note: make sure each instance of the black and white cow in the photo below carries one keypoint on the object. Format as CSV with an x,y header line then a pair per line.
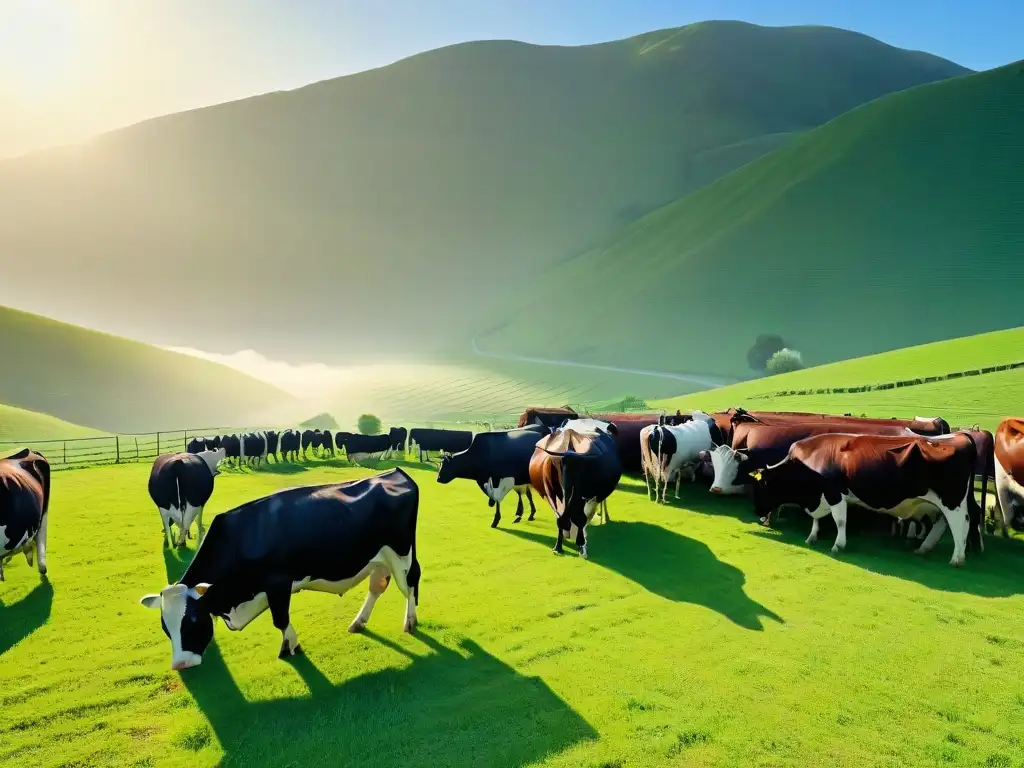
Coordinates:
x,y
446,440
196,445
668,451
24,507
325,538
180,484
361,447
290,444
498,462
398,437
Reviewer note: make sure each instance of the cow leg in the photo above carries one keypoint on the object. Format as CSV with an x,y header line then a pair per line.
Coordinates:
x,y
814,532
581,540
912,529
165,516
647,481
41,544
558,542
959,525
408,582
533,509
279,595
519,507
200,530
679,480
933,536
379,580
839,515
497,514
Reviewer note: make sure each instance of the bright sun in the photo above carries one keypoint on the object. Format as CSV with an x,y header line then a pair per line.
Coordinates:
x,y
38,49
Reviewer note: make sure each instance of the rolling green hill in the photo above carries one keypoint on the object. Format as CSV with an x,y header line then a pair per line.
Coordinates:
x,y
17,424
985,399
395,205
895,224
118,385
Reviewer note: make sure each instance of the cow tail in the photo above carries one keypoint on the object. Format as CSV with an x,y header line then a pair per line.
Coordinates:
x,y
43,467
415,572
179,492
661,469
975,514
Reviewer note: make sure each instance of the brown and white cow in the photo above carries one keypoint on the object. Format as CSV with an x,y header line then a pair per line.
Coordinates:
x,y
24,507
895,475
1009,465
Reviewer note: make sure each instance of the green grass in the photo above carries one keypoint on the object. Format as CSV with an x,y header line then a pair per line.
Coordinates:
x,y
18,424
114,384
985,399
396,206
692,636
845,241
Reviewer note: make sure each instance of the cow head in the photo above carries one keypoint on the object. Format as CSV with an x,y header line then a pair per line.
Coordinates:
x,y
726,463
446,469
184,621
213,459
788,482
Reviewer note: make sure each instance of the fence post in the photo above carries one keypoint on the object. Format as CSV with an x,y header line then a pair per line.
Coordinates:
x,y
65,451
157,443
117,444
136,449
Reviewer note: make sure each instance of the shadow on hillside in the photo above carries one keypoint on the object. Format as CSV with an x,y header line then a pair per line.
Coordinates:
x,y
997,572
449,707
671,565
19,620
294,468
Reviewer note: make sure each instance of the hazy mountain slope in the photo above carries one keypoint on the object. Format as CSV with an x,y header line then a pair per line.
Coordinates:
x,y
896,224
384,211
113,384
20,428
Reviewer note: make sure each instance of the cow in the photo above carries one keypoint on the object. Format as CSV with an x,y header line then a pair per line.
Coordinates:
x,y
361,447
1009,471
290,444
326,443
341,440
892,474
24,508
576,473
180,484
398,437
307,441
196,445
498,462
212,444
273,441
757,444
447,440
546,417
727,421
326,538
232,445
254,448
668,451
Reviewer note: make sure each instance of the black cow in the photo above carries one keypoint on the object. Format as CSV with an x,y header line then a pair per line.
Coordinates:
x,y
498,462
447,440
254,448
576,473
359,447
898,475
326,538
307,439
326,443
24,507
290,443
232,445
212,444
398,436
341,440
180,484
196,445
273,441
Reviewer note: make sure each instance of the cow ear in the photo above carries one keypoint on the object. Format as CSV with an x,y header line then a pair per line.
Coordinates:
x,y
150,601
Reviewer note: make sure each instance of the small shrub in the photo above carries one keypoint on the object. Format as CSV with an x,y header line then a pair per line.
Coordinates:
x,y
368,424
767,344
784,361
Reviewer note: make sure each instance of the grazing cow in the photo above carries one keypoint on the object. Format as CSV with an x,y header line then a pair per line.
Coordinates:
x,y
290,444
196,445
498,462
308,437
24,508
341,440
546,417
892,474
729,419
232,445
180,484
668,451
447,440
575,473
361,447
1009,471
273,440
212,444
756,445
325,538
398,436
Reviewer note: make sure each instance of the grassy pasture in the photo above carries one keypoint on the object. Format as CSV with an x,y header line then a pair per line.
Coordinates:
x,y
691,637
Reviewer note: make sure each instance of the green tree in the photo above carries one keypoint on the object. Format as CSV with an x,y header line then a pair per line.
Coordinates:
x,y
784,361
369,424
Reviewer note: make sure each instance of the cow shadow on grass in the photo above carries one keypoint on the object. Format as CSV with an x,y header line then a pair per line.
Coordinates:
x,y
670,565
996,572
451,706
20,619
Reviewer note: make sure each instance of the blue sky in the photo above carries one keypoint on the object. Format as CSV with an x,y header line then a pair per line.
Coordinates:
x,y
70,68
